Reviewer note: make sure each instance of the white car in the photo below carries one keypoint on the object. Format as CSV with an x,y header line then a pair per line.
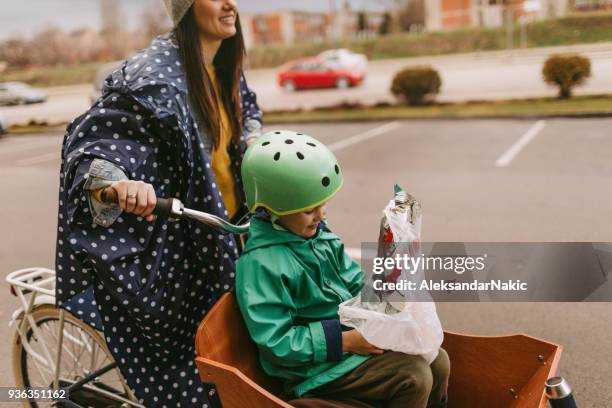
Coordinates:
x,y
17,93
343,58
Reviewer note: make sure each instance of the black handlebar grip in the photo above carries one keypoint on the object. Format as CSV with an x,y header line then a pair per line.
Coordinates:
x,y
163,207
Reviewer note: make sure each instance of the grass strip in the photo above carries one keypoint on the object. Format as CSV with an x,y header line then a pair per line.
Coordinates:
x,y
580,106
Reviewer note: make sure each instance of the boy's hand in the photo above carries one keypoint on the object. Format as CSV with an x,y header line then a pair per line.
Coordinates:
x,y
353,342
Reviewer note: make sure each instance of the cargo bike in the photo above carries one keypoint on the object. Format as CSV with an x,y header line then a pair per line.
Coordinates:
x,y
52,348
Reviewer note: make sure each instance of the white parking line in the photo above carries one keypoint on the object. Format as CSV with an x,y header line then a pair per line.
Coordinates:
x,y
38,159
362,137
520,144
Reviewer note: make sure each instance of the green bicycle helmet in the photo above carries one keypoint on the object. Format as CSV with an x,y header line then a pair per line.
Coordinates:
x,y
287,172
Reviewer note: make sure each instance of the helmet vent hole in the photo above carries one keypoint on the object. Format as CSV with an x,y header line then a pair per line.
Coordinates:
x,y
325,181
265,143
311,144
289,141
300,156
337,169
277,133
277,156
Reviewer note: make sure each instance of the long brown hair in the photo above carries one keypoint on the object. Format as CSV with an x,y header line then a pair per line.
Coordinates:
x,y
228,69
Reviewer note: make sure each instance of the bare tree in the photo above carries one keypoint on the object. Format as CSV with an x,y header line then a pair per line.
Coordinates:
x,y
362,22
412,15
50,47
385,25
15,52
116,38
154,22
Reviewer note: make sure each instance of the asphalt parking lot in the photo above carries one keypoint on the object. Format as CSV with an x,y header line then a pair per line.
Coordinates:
x,y
478,180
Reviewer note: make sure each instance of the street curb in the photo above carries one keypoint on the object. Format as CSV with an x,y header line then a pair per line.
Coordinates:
x,y
586,115
60,128
36,129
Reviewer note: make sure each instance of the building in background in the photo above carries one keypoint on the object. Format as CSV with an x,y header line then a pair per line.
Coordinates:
x,y
449,14
589,5
287,27
291,26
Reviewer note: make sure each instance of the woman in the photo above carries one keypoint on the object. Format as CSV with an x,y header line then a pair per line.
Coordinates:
x,y
171,122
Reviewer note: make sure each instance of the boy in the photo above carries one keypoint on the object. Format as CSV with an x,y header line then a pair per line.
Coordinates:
x,y
294,273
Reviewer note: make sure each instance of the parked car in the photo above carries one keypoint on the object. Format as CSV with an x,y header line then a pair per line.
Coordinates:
x,y
3,125
343,58
317,73
17,93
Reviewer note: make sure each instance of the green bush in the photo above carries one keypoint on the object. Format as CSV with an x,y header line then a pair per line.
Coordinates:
x,y
566,72
414,84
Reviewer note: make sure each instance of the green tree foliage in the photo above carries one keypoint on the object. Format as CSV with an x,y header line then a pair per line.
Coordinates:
x,y
414,84
566,72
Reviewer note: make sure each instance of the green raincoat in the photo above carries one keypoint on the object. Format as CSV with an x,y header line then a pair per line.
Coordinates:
x,y
288,289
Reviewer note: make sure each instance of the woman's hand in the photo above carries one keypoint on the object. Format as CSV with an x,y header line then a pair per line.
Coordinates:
x,y
353,342
135,197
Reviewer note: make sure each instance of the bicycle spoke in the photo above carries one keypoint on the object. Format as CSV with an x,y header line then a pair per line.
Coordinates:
x,y
65,349
35,357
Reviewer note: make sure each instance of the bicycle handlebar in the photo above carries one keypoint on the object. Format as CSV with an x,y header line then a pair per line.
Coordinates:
x,y
173,208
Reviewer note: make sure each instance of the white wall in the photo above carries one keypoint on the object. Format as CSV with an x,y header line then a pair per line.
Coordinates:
x,y
287,27
246,23
433,15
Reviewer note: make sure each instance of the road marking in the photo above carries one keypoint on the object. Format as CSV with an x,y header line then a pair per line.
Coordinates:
x,y
362,137
38,159
520,144
28,146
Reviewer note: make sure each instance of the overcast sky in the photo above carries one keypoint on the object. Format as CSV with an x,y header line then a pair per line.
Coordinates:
x,y
25,17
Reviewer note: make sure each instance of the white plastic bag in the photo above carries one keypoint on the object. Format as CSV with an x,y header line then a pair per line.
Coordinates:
x,y
406,326
414,330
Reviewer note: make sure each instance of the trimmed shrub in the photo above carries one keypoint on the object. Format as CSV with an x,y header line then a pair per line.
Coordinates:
x,y
566,72
414,84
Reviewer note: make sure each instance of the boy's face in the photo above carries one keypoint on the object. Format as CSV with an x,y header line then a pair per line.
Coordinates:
x,y
304,223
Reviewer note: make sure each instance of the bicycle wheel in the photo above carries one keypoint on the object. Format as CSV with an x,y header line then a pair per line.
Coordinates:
x,y
83,352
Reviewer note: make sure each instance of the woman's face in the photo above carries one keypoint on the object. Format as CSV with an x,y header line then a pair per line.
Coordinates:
x,y
304,223
216,19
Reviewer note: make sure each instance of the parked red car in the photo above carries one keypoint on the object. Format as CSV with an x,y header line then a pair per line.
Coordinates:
x,y
317,73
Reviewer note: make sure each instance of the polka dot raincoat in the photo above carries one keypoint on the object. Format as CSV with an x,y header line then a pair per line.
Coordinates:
x,y
146,285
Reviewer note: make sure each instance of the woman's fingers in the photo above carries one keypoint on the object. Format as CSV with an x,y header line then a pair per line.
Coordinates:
x,y
132,198
121,191
135,197
141,200
151,202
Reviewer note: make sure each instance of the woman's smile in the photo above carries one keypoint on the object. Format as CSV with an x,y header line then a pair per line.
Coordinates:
x,y
228,19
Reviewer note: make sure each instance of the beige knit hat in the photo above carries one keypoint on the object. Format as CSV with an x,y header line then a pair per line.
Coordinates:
x,y
177,9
